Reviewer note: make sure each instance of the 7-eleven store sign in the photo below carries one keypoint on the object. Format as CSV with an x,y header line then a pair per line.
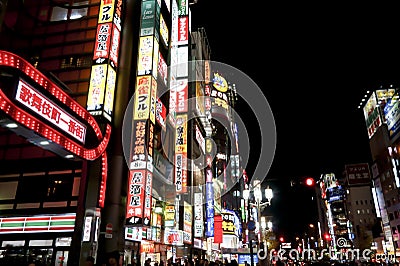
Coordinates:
x,y
38,224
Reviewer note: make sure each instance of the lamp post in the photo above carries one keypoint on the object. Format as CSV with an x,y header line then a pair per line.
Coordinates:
x,y
258,197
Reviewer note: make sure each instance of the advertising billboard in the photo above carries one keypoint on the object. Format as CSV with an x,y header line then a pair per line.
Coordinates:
x,y
392,115
372,115
358,173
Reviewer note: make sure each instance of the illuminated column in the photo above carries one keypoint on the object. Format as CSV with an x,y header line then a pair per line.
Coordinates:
x,y
179,84
139,194
100,100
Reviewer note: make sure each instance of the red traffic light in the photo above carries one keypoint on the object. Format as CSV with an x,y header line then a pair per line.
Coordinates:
x,y
310,181
327,236
281,239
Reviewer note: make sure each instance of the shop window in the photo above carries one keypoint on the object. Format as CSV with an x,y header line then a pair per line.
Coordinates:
x,y
8,190
39,243
31,189
13,243
63,241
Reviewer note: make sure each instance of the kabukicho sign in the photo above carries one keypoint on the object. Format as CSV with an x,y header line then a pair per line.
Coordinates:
x,y
45,108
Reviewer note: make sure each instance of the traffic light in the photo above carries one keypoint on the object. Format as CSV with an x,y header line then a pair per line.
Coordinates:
x,y
309,181
281,239
327,237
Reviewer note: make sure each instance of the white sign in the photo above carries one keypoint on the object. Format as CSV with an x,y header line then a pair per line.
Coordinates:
x,y
48,110
200,140
87,229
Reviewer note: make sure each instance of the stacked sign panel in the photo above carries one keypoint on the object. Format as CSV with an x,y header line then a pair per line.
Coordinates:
x,y
139,204
103,78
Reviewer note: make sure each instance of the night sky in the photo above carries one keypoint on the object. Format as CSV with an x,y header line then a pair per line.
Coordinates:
x,y
314,65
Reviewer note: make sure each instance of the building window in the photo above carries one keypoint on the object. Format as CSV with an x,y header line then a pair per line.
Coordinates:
x,y
60,187
73,10
76,62
59,13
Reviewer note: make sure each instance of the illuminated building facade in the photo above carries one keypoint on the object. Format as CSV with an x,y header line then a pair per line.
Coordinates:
x,y
333,195
72,184
360,204
381,113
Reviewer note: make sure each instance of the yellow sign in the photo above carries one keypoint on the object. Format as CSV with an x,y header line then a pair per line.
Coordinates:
x,y
110,88
153,100
106,12
181,134
142,98
96,87
208,145
220,83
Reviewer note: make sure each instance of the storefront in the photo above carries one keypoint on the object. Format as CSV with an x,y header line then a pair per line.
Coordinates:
x,y
43,238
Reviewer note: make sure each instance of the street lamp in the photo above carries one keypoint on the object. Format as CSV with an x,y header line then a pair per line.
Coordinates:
x,y
258,197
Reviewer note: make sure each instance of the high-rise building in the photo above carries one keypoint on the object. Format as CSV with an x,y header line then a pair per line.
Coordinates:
x,y
380,109
333,207
98,139
359,204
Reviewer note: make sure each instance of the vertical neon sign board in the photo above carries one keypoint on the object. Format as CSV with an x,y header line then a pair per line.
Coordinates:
x,y
181,154
210,209
144,108
100,100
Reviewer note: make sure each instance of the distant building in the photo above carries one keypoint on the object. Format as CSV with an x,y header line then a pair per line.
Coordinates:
x,y
359,203
333,201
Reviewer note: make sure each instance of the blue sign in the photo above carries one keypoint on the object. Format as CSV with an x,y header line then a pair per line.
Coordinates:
x,y
209,209
209,200
246,257
210,227
392,116
251,225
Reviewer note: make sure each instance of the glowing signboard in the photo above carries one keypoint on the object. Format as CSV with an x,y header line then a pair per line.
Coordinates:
x,y
45,108
220,83
372,115
48,131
